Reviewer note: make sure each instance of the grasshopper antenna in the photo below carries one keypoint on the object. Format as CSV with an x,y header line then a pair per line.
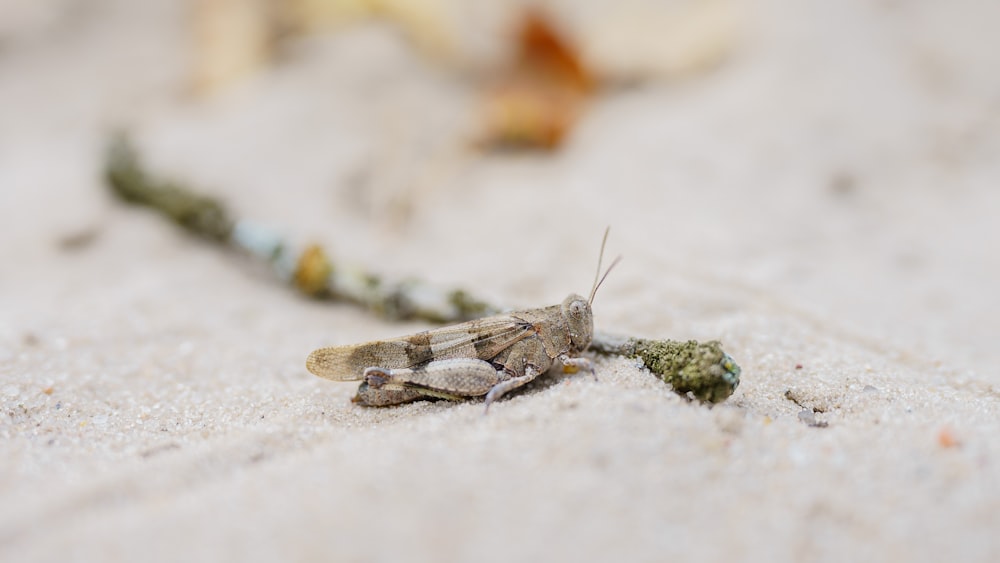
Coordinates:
x,y
598,278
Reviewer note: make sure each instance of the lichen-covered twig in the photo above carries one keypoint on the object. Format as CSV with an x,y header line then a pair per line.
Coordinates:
x,y
700,369
199,214
308,269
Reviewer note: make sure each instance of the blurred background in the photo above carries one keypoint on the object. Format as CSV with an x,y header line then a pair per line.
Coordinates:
x,y
840,157
815,183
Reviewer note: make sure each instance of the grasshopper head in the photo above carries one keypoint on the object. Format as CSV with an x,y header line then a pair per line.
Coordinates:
x,y
580,319
576,310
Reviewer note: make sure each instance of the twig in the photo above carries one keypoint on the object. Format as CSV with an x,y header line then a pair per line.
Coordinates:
x,y
308,269
700,369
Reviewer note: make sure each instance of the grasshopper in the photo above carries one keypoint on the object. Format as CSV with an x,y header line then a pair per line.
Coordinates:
x,y
484,357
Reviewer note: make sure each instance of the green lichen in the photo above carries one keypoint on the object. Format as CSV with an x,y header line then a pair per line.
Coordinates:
x,y
201,215
701,369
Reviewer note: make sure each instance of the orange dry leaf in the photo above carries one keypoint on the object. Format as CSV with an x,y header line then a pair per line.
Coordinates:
x,y
546,55
538,100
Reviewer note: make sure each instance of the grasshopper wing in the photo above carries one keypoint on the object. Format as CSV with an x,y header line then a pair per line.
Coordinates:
x,y
481,338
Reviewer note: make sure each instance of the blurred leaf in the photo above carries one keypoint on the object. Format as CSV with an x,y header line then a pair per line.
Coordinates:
x,y
547,57
651,39
232,40
536,102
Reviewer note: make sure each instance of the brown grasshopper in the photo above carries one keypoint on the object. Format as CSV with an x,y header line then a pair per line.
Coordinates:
x,y
488,356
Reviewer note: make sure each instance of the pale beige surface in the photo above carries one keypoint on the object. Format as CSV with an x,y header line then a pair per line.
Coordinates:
x,y
828,198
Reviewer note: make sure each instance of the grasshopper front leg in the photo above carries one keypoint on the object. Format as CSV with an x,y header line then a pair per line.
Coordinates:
x,y
573,365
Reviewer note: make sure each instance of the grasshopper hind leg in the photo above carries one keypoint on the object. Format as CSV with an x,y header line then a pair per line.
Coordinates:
x,y
452,379
369,396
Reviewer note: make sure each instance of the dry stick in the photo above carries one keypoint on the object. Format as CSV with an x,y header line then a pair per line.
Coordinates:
x,y
698,369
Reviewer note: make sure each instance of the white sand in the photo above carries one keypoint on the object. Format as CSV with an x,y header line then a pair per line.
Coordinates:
x,y
828,198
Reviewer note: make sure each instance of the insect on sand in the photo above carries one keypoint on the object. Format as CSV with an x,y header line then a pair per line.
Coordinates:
x,y
484,357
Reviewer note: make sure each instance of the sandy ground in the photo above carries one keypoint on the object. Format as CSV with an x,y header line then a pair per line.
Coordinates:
x,y
827,199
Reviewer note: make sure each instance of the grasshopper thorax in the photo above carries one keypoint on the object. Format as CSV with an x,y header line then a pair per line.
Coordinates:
x,y
580,321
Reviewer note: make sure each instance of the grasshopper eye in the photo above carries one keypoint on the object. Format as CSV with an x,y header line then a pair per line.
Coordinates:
x,y
577,308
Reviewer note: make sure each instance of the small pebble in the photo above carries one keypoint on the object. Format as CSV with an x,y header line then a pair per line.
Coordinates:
x,y
809,417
